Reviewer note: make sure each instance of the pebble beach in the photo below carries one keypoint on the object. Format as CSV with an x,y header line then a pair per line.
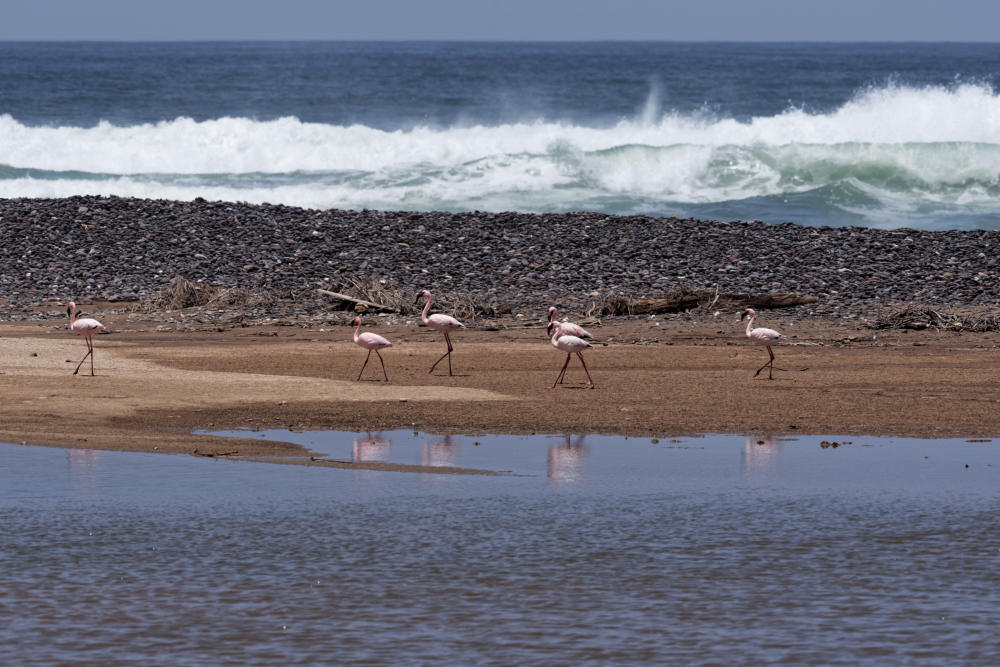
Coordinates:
x,y
124,250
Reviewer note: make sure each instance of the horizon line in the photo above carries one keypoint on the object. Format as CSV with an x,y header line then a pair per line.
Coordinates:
x,y
483,40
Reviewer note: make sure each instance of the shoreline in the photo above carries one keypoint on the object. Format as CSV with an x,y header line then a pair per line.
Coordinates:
x,y
264,349
659,378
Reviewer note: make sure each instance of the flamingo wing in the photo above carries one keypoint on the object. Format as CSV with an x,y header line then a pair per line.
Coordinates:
x,y
372,340
441,322
570,343
86,325
576,330
766,336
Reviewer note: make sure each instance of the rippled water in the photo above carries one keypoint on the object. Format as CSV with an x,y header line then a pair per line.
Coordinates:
x,y
599,549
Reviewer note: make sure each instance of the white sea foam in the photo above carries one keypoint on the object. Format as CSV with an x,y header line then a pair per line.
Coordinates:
x,y
924,146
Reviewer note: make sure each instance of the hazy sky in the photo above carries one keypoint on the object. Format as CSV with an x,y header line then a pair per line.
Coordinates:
x,y
740,20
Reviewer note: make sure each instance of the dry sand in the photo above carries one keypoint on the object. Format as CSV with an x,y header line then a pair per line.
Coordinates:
x,y
154,388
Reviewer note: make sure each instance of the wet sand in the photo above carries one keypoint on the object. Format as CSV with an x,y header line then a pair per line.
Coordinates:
x,y
154,388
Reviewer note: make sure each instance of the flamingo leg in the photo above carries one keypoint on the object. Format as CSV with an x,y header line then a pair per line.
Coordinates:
x,y
769,365
364,364
447,340
590,383
90,353
90,343
383,363
561,373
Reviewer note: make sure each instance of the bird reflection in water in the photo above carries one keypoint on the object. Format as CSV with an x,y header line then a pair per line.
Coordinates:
x,y
565,460
759,454
439,452
83,465
372,447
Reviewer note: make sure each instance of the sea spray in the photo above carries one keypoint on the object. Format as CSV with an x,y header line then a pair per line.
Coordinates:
x,y
891,155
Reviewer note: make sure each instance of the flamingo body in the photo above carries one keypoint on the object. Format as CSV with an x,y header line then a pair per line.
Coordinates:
x,y
442,323
568,327
765,337
571,345
86,327
370,341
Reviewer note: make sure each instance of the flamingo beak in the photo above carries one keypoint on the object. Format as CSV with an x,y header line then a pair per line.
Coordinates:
x,y
743,315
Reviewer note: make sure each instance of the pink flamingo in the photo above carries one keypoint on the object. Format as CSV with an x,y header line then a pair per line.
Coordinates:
x,y
442,323
569,327
569,344
86,327
765,337
370,341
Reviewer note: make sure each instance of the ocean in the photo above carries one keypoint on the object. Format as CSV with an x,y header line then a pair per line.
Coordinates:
x,y
879,135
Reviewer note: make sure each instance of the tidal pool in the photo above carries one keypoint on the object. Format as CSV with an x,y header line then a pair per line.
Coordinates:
x,y
595,549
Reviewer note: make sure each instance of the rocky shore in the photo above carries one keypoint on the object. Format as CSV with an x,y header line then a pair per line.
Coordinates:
x,y
118,249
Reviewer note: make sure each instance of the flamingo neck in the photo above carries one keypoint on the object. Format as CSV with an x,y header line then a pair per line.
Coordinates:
x,y
750,323
357,332
427,307
552,315
72,314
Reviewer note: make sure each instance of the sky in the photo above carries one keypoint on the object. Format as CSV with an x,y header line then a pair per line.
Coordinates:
x,y
674,20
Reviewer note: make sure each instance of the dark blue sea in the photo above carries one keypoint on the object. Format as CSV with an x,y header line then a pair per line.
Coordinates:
x,y
882,135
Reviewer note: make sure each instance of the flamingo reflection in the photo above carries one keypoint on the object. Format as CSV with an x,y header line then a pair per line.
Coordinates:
x,y
759,453
565,460
439,452
372,447
83,464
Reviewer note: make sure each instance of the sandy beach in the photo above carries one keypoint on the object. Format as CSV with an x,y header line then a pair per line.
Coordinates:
x,y
216,319
662,377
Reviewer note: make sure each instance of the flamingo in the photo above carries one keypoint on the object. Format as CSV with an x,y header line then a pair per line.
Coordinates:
x,y
442,323
569,344
85,327
370,341
569,327
765,337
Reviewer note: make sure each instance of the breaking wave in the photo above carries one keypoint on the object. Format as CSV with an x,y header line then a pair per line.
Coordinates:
x,y
892,155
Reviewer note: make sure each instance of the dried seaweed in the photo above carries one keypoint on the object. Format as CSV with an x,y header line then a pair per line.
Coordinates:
x,y
182,293
461,305
918,317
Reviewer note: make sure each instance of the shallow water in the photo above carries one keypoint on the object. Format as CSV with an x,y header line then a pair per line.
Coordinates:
x,y
598,549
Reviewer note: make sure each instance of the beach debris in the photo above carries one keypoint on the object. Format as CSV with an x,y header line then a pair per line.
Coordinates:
x,y
182,293
704,299
918,318
212,455
362,303
826,444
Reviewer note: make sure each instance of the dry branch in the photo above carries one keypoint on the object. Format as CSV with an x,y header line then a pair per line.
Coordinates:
x,y
615,304
926,317
356,301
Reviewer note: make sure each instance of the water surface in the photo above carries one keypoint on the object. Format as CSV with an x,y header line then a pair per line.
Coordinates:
x,y
598,550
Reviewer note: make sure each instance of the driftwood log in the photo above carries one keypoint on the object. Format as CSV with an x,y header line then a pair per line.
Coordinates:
x,y
358,302
710,298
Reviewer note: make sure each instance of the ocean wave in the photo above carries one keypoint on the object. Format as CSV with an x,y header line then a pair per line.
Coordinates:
x,y
890,148
888,115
